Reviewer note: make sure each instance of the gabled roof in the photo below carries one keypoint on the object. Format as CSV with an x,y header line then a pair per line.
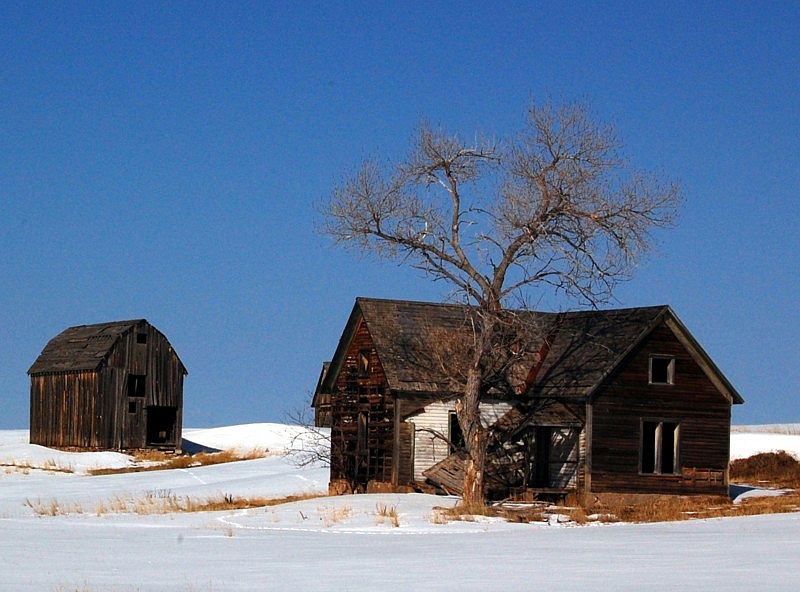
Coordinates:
x,y
572,355
84,347
318,391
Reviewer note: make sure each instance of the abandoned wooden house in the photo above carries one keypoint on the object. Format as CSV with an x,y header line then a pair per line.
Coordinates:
x,y
115,386
617,401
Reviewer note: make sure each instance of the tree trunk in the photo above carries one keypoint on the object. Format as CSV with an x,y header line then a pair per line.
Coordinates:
x,y
469,416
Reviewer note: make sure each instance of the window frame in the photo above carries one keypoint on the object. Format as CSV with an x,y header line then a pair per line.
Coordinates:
x,y
364,369
658,446
670,369
137,385
453,446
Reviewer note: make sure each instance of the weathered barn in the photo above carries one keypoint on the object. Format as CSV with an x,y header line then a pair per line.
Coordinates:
x,y
112,385
622,401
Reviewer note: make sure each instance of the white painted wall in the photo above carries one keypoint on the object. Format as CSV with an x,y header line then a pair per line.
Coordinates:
x,y
428,449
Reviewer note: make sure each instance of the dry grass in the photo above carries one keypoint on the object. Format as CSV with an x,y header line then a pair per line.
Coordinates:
x,y
532,512
334,515
670,508
578,515
387,513
170,461
776,468
53,507
163,502
438,516
25,467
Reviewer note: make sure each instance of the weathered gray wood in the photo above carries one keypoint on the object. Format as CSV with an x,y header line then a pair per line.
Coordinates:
x,y
80,394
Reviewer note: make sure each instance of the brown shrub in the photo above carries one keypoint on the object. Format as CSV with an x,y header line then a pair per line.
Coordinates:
x,y
776,468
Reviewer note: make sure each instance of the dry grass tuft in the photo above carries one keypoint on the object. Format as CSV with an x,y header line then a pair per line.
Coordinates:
x,y
438,516
578,515
335,515
777,468
184,461
384,512
53,507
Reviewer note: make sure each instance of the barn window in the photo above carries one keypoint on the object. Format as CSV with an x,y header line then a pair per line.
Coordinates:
x,y
141,338
132,406
136,385
662,370
454,433
363,362
659,450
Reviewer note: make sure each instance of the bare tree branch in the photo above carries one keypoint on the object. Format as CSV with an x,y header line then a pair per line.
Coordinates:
x,y
556,207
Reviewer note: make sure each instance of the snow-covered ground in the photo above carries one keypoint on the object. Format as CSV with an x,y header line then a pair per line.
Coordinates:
x,y
343,543
747,440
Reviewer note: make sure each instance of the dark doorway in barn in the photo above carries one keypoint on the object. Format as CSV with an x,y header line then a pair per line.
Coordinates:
x,y
161,425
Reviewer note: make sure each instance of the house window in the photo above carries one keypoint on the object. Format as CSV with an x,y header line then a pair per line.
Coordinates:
x,y
659,450
141,338
363,362
136,385
662,370
362,442
454,433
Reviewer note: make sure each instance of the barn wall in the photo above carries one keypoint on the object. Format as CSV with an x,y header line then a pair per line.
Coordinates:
x,y
65,411
702,411
361,400
163,385
430,449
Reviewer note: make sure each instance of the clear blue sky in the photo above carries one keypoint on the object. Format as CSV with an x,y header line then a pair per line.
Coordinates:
x,y
162,160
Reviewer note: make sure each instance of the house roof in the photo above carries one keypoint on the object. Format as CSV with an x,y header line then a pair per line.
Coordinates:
x,y
84,347
570,354
318,391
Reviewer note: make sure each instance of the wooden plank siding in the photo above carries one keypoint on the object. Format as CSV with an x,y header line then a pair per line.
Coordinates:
x,y
702,412
429,447
362,432
65,410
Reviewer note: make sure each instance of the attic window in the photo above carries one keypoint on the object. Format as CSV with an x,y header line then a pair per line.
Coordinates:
x,y
662,370
364,365
136,385
141,338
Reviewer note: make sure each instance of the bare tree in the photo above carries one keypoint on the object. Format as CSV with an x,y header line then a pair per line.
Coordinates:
x,y
309,444
555,206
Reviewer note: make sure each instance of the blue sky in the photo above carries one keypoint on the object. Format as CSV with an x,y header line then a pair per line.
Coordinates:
x,y
163,160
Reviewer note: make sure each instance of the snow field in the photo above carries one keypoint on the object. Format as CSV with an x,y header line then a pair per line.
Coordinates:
x,y
343,543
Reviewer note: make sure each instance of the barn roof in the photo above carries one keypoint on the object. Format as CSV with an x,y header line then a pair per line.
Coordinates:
x,y
569,355
84,347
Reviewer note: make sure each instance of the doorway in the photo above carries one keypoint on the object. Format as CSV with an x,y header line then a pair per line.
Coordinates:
x,y
161,425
